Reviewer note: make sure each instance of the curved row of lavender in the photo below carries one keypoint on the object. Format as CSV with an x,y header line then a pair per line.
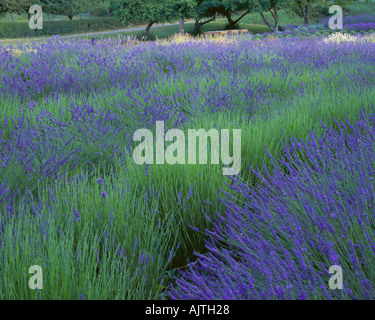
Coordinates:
x,y
282,240
360,26
56,134
355,19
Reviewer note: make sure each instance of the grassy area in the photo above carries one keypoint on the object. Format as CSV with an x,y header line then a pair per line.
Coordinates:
x,y
358,7
23,18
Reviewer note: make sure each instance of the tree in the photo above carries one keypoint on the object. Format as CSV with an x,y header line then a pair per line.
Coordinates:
x,y
67,7
303,9
272,7
227,8
203,10
308,8
230,7
19,6
150,11
3,9
185,9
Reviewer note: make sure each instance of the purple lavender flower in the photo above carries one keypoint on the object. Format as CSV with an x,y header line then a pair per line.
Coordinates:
x,y
280,241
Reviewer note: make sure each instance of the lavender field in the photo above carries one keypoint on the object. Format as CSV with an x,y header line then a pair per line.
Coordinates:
x,y
73,200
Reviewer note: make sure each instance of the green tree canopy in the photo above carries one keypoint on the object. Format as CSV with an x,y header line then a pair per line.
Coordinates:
x,y
67,7
3,9
20,6
151,11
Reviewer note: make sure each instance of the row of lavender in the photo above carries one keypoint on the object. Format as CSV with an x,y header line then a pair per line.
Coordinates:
x,y
51,69
347,20
350,23
282,240
360,26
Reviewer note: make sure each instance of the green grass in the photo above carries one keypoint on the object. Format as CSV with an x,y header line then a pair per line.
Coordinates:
x,y
23,18
359,7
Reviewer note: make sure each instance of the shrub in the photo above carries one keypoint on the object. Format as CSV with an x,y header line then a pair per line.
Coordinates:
x,y
289,27
143,36
320,26
324,11
354,20
340,37
363,18
50,28
361,26
15,30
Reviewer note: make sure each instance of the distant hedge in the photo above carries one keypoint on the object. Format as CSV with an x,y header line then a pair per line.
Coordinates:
x,y
50,28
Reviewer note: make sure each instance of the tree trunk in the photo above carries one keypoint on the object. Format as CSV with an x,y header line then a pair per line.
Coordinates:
x,y
198,24
181,29
246,13
268,24
70,17
11,16
300,8
306,14
275,17
149,27
274,28
231,23
28,15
